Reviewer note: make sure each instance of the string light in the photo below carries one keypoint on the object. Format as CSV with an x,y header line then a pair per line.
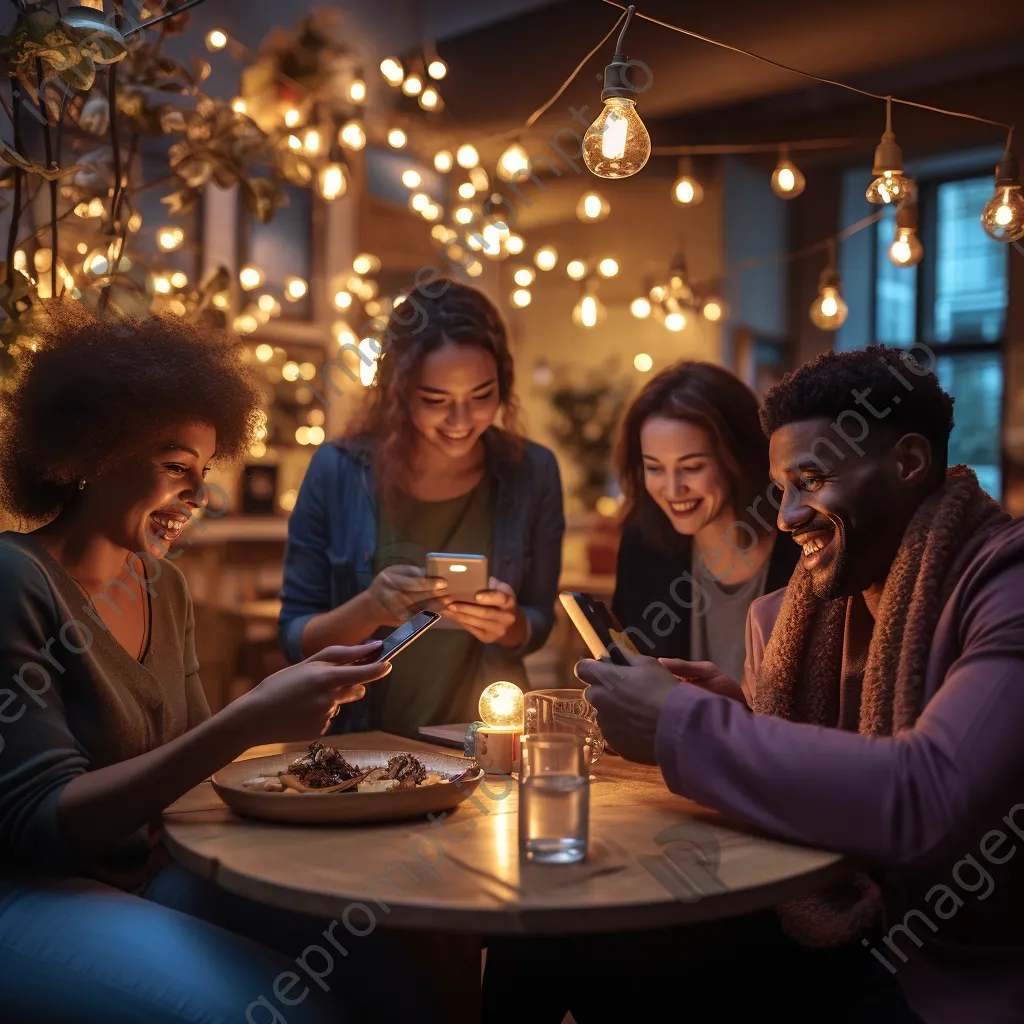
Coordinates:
x,y
392,70
366,263
592,206
521,297
357,90
546,257
397,138
906,249
411,178
788,180
467,156
292,117
466,190
250,277
889,183
413,85
1003,215
576,269
474,268
640,308
714,309
238,105
437,69
264,353
352,135
479,179
463,215
524,276
431,212
828,311
686,190
294,288
675,321
514,244
514,163
333,184
442,161
588,311
170,239
419,201
608,267
430,99
643,362
343,299
216,39
617,144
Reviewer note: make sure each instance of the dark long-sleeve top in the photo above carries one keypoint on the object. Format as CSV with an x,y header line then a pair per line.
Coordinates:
x,y
72,700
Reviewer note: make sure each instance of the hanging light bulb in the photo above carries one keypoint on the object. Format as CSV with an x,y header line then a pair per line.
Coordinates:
x,y
1003,215
250,277
675,321
352,135
521,297
238,105
467,156
588,311
686,190
366,263
442,161
478,176
546,257
514,244
608,267
357,90
640,308
787,179
828,311
524,276
617,145
890,183
397,138
466,190
294,288
906,249
513,163
216,39
714,308
576,269
392,70
411,178
292,117
679,289
170,238
413,85
437,69
592,206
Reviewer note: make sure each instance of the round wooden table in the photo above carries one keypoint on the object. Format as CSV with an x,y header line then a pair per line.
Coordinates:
x,y
654,860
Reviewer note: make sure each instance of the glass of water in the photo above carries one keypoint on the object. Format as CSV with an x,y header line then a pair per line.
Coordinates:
x,y
554,798
565,710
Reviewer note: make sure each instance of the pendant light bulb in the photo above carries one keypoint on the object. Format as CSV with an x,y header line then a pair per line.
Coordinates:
x,y
906,249
890,184
686,190
617,144
828,311
787,179
1003,215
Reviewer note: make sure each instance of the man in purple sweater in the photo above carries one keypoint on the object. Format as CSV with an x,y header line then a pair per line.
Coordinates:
x,y
881,714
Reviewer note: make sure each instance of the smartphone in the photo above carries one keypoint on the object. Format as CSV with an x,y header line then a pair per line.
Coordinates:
x,y
600,629
401,638
466,575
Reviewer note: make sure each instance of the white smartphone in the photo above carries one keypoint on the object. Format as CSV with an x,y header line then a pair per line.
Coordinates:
x,y
465,574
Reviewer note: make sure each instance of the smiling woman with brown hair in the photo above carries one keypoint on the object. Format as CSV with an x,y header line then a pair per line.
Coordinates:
x,y
106,434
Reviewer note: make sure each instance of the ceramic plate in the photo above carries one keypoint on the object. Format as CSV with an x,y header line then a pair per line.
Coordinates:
x,y
325,808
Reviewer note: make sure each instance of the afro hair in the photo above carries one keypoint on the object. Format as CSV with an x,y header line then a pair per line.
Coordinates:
x,y
888,383
96,388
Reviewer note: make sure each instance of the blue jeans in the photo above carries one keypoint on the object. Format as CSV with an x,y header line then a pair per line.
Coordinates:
x,y
74,951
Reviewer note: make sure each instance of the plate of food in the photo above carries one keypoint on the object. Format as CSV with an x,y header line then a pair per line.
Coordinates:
x,y
328,784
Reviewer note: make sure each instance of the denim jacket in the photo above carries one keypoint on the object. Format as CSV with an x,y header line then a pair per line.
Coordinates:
x,y
332,537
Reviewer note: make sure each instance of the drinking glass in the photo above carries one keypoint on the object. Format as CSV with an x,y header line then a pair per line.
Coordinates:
x,y
564,711
554,798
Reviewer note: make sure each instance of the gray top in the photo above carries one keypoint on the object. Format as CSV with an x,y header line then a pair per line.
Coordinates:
x,y
719,634
76,700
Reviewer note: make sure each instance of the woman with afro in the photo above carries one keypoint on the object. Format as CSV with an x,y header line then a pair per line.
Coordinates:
x,y
106,434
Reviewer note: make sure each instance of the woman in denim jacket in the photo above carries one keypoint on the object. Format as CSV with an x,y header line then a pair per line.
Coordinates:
x,y
428,469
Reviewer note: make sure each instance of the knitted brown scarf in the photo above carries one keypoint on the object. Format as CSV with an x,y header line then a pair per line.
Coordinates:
x,y
800,674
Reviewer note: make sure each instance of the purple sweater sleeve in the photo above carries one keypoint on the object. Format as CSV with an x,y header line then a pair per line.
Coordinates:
x,y
892,801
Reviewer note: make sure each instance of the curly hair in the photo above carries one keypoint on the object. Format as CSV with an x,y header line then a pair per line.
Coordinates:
x,y
714,399
96,388
440,312
907,396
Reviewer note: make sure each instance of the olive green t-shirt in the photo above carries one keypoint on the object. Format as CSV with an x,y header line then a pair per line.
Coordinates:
x,y
434,680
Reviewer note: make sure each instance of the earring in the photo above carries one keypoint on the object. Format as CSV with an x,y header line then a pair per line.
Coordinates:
x,y
81,484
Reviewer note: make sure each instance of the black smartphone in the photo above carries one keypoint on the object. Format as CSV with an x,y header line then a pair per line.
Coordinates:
x,y
601,630
401,638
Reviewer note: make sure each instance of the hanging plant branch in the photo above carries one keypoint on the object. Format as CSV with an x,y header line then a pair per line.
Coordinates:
x,y
51,164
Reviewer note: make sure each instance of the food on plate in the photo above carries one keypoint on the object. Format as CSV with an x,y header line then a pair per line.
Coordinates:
x,y
322,769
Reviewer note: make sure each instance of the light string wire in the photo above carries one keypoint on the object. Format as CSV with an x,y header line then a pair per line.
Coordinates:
x,y
815,78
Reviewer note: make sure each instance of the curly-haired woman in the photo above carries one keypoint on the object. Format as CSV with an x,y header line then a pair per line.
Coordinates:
x,y
106,435
428,470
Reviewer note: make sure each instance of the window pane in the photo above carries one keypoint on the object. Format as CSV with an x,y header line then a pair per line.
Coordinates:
x,y
976,382
895,290
971,273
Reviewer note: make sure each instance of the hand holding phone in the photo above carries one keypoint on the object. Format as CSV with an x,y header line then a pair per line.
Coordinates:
x,y
601,630
466,575
401,638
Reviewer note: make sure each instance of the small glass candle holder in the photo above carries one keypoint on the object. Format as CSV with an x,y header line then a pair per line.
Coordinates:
x,y
554,798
